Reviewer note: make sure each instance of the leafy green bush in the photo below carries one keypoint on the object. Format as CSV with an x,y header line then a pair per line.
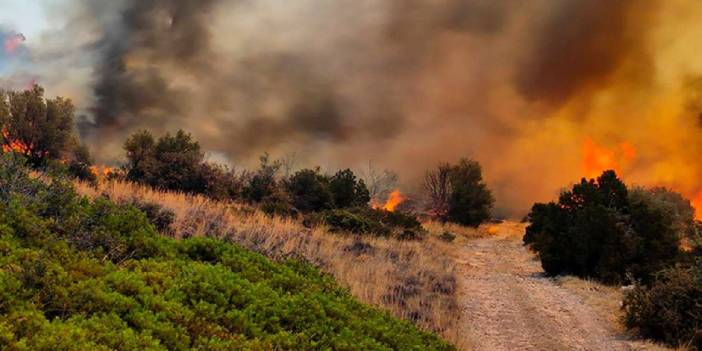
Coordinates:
x,y
79,165
345,220
598,229
176,162
77,274
309,191
377,222
161,218
261,184
669,309
347,190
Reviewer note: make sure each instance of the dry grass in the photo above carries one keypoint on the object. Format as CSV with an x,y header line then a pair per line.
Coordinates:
x,y
414,280
606,301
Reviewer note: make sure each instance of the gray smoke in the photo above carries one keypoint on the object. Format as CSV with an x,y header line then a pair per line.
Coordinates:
x,y
406,83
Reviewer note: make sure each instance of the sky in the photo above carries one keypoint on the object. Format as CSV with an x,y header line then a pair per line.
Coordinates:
x,y
24,16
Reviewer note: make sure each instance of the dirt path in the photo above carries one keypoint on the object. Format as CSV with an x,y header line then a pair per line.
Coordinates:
x,y
508,304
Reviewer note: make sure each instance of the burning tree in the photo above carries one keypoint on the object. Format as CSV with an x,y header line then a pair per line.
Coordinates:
x,y
38,128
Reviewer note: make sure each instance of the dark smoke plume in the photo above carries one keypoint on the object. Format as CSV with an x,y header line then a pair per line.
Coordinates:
x,y
582,44
405,83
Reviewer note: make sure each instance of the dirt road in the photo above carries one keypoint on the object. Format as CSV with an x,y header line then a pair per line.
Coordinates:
x,y
508,304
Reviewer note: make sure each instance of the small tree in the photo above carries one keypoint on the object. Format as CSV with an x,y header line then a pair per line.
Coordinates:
x,y
79,164
40,129
141,162
175,162
347,190
471,200
458,193
437,184
262,183
309,191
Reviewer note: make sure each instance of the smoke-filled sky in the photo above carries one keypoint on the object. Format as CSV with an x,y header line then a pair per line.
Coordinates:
x,y
540,92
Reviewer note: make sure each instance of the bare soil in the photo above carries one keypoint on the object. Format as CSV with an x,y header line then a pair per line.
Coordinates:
x,y
508,304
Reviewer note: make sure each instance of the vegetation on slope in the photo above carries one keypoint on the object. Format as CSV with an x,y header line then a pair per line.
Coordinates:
x,y
414,280
89,274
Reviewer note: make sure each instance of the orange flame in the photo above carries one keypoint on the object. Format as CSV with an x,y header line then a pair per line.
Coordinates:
x,y
102,171
597,159
14,145
696,203
394,199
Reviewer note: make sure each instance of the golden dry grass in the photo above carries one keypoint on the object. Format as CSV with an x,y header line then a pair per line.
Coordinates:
x,y
414,280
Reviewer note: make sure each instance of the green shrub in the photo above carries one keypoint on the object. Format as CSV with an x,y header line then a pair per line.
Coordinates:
x,y
91,275
79,165
670,308
309,191
344,220
347,190
599,230
376,222
176,162
262,184
160,217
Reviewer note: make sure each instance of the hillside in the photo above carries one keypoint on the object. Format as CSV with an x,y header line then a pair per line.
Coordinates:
x,y
81,274
414,280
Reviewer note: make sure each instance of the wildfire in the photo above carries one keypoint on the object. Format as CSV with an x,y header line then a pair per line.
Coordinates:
x,y
696,202
14,145
102,171
394,199
597,158
13,42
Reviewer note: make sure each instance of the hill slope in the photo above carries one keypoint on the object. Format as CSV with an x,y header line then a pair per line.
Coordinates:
x,y
80,274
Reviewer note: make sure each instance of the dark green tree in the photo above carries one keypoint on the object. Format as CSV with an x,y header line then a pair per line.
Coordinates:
x,y
141,162
347,190
79,164
599,229
263,183
40,129
176,162
470,200
309,191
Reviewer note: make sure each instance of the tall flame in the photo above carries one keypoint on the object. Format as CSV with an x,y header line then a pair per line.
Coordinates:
x,y
394,199
597,158
696,202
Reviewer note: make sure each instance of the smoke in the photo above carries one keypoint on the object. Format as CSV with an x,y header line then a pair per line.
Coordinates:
x,y
582,44
520,86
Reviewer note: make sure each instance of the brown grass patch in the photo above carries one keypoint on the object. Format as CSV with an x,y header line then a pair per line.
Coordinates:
x,y
414,280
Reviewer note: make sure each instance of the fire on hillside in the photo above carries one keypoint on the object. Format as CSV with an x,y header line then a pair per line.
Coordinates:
x,y
395,198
